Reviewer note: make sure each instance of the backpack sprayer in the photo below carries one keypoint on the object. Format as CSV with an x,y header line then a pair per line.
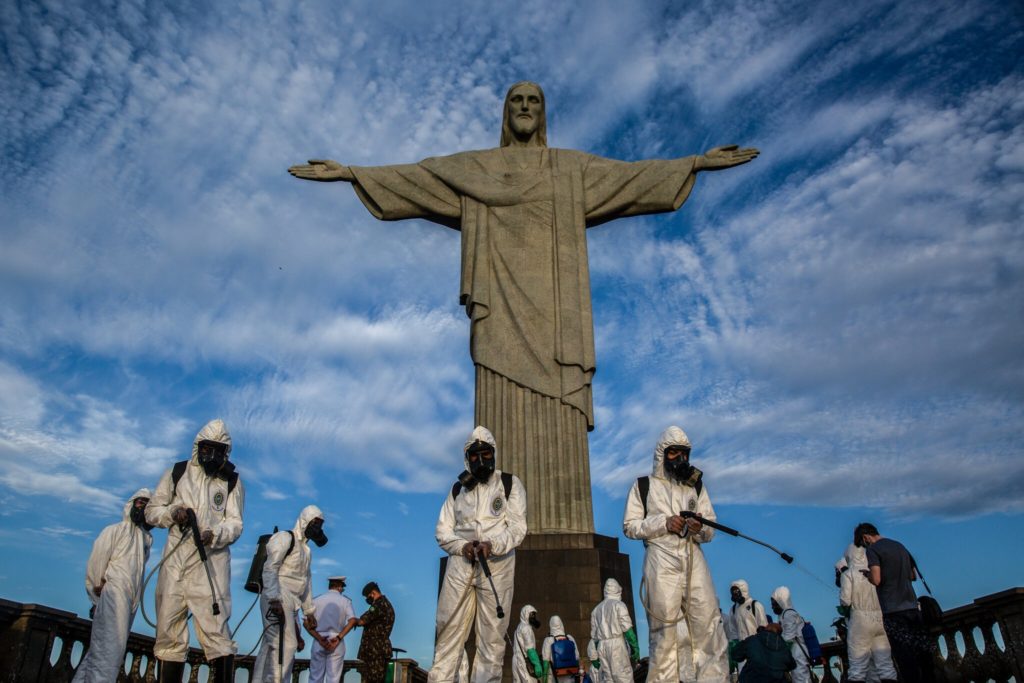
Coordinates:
x,y
732,532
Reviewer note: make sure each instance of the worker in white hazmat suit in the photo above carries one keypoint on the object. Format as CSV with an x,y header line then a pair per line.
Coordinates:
x,y
556,631
747,613
484,515
611,629
687,638
287,588
526,665
113,582
208,485
792,632
866,642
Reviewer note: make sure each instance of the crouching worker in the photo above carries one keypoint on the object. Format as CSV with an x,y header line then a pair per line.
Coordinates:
x,y
286,589
205,489
766,655
113,582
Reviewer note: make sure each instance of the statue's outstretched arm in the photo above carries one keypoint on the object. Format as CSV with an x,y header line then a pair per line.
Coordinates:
x,y
322,170
724,157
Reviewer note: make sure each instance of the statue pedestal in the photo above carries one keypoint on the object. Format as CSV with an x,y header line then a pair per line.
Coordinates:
x,y
563,574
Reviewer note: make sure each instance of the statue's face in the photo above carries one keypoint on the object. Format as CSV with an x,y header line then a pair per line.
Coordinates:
x,y
525,111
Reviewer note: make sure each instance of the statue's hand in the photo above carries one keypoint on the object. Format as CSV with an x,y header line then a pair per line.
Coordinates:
x,y
725,157
323,170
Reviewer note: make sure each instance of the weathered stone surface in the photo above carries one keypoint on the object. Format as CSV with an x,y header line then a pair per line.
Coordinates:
x,y
523,211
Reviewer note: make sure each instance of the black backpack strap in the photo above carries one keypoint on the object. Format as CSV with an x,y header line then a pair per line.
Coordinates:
x,y
291,546
177,472
506,482
456,487
643,486
913,563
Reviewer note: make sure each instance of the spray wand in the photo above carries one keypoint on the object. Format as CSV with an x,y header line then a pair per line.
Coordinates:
x,y
732,532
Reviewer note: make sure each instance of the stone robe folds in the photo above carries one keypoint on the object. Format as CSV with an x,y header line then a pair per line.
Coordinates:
x,y
525,284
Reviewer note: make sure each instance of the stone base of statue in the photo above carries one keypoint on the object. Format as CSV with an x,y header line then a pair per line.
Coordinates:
x,y
563,574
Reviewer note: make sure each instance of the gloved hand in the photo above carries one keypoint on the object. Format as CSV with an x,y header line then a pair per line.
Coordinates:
x,y
596,663
732,646
844,610
634,647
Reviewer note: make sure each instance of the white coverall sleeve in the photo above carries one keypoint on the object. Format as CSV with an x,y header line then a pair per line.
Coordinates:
x,y
99,558
444,532
229,528
622,612
308,606
706,533
277,550
846,588
635,525
158,510
515,521
791,624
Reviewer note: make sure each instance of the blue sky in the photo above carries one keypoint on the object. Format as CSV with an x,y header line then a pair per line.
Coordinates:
x,y
838,326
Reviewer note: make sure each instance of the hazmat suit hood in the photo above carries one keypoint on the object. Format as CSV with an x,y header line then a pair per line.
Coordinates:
x,y
141,493
744,588
215,430
856,558
525,612
308,514
781,596
673,436
612,589
555,626
480,434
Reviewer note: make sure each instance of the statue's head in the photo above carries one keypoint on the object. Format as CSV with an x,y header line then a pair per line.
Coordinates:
x,y
524,119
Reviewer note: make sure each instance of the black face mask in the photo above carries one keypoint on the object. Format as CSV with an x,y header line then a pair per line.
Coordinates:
x,y
467,480
776,608
315,532
213,456
736,596
369,600
679,468
534,621
138,517
482,468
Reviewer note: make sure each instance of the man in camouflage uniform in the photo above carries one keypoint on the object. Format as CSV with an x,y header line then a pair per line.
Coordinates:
x,y
375,645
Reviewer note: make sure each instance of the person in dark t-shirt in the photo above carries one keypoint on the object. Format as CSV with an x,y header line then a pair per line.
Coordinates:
x,y
891,570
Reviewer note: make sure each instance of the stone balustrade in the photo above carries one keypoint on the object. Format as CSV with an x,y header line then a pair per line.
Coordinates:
x,y
37,643
982,641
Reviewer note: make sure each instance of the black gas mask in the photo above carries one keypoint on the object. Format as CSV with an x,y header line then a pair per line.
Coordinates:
x,y
212,456
678,467
315,532
481,461
776,607
138,513
736,595
534,620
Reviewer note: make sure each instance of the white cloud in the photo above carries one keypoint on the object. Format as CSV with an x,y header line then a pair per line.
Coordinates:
x,y
375,542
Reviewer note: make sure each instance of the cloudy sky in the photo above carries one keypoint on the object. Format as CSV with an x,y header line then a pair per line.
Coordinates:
x,y
838,326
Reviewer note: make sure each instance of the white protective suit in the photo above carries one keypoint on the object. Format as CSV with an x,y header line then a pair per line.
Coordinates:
x,y
182,586
608,624
556,629
748,616
286,577
117,563
792,633
466,599
866,642
524,641
687,638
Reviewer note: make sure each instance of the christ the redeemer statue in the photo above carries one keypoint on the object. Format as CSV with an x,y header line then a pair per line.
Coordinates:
x,y
523,210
